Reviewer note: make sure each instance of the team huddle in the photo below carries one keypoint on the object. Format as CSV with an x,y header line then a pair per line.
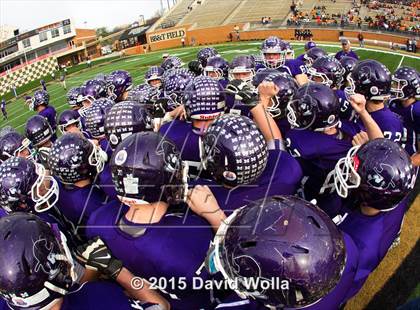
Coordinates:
x,y
269,166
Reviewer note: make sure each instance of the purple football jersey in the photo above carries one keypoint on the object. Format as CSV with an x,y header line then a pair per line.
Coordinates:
x,y
176,246
373,236
301,57
78,203
346,110
106,147
236,107
50,114
295,67
281,176
350,53
101,295
411,121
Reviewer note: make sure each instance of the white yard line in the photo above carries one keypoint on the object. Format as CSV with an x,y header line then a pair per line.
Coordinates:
x,y
401,61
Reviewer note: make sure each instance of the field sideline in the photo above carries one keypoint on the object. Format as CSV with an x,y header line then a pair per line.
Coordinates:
x,y
394,282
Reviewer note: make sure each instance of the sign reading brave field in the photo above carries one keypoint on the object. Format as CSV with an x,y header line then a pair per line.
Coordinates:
x,y
167,35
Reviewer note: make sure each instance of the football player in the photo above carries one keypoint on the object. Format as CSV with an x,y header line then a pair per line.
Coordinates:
x,y
150,179
69,121
405,89
119,83
14,144
313,54
314,116
92,90
39,132
308,45
373,80
171,62
348,64
217,67
75,98
58,281
197,65
204,101
154,76
373,180
40,104
75,161
275,237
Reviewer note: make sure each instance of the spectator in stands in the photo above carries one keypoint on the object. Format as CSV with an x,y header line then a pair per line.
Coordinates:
x,y
346,50
361,39
3,108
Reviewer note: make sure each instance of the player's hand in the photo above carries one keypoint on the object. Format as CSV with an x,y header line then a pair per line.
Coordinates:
x,y
195,67
96,256
267,89
242,92
358,102
178,112
160,107
202,201
360,138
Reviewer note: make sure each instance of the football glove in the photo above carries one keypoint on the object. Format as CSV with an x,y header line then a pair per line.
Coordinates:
x,y
195,67
96,256
242,92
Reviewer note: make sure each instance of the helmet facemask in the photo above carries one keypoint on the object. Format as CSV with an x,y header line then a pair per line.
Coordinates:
x,y
45,191
346,176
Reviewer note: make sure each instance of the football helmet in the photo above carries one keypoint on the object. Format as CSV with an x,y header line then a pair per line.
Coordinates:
x,y
234,151
67,118
378,173
309,45
154,73
273,45
329,70
371,79
218,65
287,89
38,130
118,82
14,144
314,107
74,158
348,63
242,64
174,84
204,54
204,99
144,94
75,97
124,119
281,237
289,50
405,83
40,97
36,266
23,186
94,89
313,54
172,62
147,167
95,117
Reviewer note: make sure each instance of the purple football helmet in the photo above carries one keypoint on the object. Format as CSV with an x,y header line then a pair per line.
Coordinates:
x,y
378,173
75,97
242,64
23,186
144,94
371,79
124,119
94,89
290,53
309,45
204,54
328,71
95,117
147,168
273,45
234,150
36,266
174,84
262,74
219,66
287,89
40,97
204,99
14,144
172,62
154,73
405,83
313,54
314,107
67,118
74,158
118,82
280,237
348,63
38,130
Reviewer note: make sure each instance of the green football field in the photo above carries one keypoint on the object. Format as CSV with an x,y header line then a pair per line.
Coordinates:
x,y
395,280
18,112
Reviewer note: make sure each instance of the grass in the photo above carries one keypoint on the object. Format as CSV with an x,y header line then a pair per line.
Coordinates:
x,y
382,289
